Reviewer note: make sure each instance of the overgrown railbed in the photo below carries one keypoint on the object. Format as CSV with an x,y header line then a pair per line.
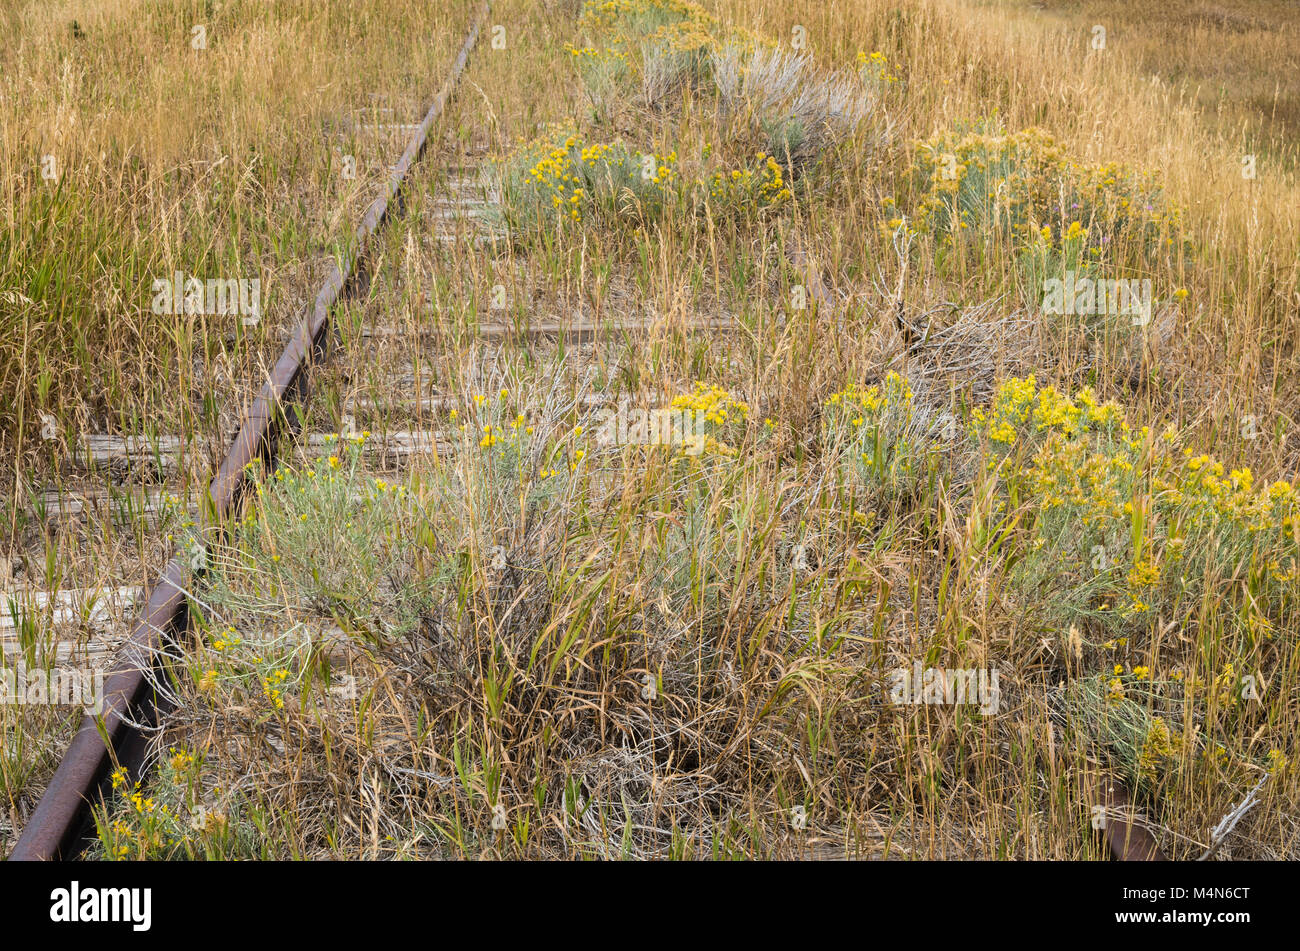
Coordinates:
x,y
539,643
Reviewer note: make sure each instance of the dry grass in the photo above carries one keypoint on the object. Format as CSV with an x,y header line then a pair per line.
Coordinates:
x,y
1235,60
534,644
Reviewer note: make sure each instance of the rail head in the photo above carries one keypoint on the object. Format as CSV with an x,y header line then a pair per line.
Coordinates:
x,y
1127,839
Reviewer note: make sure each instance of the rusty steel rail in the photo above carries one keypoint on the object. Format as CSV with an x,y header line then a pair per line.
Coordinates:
x,y
1128,840
59,826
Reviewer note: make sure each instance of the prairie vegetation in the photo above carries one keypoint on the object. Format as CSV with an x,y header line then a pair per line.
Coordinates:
x,y
1235,60
822,235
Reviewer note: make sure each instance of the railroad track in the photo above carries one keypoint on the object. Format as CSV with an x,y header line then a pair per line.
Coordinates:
x,y
466,212
58,827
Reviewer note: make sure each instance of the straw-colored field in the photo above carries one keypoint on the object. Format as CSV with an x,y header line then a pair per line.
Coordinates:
x,y
732,366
